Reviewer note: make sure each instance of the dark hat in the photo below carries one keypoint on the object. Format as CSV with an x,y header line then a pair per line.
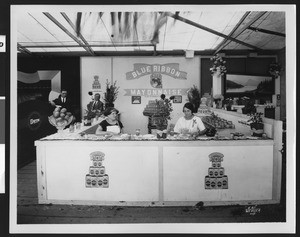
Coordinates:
x,y
189,106
109,110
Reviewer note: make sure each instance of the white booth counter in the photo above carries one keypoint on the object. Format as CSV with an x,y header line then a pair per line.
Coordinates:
x,y
76,169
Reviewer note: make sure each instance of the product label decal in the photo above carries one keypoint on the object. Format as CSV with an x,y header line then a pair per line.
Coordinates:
x,y
97,177
216,178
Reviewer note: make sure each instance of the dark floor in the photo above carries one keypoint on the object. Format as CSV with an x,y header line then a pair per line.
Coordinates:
x,y
30,212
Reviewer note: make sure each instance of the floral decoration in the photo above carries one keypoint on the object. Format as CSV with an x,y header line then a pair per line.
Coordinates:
x,y
218,65
255,117
164,109
275,69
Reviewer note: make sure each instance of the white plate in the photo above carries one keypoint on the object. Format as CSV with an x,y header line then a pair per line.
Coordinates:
x,y
252,138
203,138
149,136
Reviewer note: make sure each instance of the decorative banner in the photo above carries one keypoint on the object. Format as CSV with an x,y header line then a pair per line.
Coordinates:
x,y
97,178
142,69
216,178
156,92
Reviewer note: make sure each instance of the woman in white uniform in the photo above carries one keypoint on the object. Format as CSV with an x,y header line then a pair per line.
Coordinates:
x,y
111,124
189,123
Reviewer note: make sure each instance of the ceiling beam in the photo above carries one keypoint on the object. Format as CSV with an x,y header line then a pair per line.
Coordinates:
x,y
66,31
245,27
218,48
23,50
266,31
91,45
79,34
210,30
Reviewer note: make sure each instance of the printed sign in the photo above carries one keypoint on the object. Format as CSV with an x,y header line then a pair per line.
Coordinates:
x,y
96,84
155,92
156,72
34,120
216,178
142,69
2,43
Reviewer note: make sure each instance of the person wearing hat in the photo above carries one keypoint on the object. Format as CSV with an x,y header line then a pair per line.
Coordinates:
x,y
111,124
189,123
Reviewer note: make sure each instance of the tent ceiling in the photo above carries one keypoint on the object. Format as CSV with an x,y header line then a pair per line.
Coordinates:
x,y
95,32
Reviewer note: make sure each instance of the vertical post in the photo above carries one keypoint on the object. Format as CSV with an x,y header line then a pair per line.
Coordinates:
x,y
277,160
217,84
275,99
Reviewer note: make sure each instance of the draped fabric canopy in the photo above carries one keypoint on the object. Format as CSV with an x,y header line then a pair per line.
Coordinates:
x,y
93,32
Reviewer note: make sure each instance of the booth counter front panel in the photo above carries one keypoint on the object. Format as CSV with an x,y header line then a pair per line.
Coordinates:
x,y
157,172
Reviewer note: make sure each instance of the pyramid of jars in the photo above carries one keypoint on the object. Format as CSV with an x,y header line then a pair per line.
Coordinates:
x,y
216,178
153,108
97,178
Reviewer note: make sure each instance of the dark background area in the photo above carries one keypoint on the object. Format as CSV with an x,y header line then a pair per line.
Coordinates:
x,y
36,106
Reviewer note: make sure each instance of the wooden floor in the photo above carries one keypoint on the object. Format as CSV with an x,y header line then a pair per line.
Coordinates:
x,y
30,212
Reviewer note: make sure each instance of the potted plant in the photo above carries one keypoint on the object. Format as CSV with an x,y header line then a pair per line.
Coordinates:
x,y
163,114
228,103
249,107
218,98
194,97
111,94
87,118
256,124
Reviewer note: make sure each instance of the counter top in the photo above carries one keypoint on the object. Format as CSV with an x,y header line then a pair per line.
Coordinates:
x,y
81,135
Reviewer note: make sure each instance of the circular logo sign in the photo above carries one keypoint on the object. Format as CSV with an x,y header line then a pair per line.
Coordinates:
x,y
34,120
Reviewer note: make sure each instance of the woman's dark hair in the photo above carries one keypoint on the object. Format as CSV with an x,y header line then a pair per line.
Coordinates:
x,y
109,110
189,106
163,96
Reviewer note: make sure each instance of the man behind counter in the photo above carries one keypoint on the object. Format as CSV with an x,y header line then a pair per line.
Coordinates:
x,y
95,106
62,101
